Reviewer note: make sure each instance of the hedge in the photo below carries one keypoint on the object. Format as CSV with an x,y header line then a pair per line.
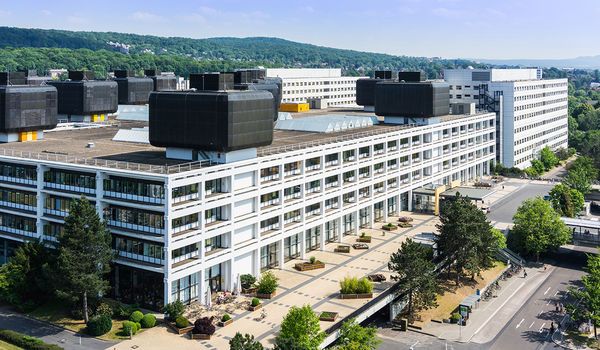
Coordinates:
x,y
26,342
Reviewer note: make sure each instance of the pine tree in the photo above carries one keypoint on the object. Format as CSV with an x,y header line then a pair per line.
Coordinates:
x,y
84,253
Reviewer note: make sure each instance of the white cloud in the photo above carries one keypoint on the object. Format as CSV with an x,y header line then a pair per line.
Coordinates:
x,y
46,12
146,17
5,13
77,20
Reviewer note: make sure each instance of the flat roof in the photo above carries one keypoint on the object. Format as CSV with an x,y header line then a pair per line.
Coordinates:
x,y
69,145
471,192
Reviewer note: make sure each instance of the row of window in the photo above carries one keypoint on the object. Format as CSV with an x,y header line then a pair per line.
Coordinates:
x,y
540,134
17,198
18,171
542,112
540,104
135,187
540,123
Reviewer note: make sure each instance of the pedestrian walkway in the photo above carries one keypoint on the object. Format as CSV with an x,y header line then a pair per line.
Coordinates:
x,y
488,319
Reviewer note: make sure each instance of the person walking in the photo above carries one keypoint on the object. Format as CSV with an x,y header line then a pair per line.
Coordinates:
x,y
552,328
524,274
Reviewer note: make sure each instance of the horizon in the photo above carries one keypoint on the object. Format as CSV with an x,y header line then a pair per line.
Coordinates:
x,y
518,31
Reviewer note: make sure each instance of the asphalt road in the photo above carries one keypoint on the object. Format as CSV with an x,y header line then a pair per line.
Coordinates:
x,y
504,209
50,334
529,327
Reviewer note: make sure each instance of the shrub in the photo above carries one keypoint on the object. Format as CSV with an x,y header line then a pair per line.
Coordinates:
x,y
174,310
136,316
362,234
268,283
98,325
313,260
455,317
138,326
26,342
76,312
349,285
148,321
204,326
125,311
247,281
225,318
128,328
104,309
255,302
182,322
390,225
364,286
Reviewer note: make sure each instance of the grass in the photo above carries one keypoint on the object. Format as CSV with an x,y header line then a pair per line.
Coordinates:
x,y
57,312
7,346
579,339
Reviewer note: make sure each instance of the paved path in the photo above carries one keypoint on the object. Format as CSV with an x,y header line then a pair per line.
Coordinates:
x,y
49,333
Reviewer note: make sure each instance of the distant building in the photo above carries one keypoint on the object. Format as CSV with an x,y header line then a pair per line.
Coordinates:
x,y
594,85
306,84
531,112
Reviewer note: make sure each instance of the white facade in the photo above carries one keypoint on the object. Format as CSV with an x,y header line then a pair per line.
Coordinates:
x,y
533,113
199,228
304,84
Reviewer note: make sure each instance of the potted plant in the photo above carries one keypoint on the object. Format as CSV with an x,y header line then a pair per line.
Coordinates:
x,y
267,286
181,325
225,320
342,249
203,328
354,288
255,304
328,316
390,227
312,264
364,238
247,281
174,317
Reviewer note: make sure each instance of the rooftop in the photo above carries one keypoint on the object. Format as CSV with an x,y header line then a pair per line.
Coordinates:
x,y
70,144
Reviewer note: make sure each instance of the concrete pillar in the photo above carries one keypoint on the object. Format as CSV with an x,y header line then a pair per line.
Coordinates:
x,y
256,263
303,244
410,200
280,259
166,240
322,237
385,210
41,197
339,229
356,221
202,286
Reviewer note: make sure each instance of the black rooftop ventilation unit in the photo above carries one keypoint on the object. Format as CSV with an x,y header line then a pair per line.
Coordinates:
x,y
272,85
82,97
412,76
220,121
211,81
386,74
77,75
415,100
133,90
13,78
27,108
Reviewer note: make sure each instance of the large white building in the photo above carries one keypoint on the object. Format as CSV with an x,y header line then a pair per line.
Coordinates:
x,y
306,84
181,228
532,112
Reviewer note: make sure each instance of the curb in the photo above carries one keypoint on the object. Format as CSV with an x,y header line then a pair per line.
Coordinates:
x,y
558,343
421,332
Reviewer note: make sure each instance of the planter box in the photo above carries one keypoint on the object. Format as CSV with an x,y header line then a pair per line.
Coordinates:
x,y
356,296
364,239
405,219
200,336
329,316
223,324
342,249
254,308
265,296
405,225
248,290
376,277
309,266
360,246
387,228
180,330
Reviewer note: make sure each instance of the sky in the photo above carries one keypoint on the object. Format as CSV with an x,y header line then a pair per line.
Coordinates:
x,y
496,29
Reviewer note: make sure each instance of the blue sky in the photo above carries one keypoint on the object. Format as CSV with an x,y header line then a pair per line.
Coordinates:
x,y
445,28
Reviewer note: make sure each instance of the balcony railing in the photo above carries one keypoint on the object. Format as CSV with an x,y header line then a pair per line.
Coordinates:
x,y
269,178
18,206
137,198
292,172
70,188
269,203
18,180
53,212
136,227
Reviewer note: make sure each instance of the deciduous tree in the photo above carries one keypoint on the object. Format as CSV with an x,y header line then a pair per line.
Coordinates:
x,y
353,336
300,326
588,299
566,201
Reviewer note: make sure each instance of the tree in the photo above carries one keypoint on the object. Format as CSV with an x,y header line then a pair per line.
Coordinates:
x,y
588,299
465,237
548,158
587,166
301,326
244,342
499,238
84,253
566,201
579,180
537,228
353,336
415,274
26,280
588,120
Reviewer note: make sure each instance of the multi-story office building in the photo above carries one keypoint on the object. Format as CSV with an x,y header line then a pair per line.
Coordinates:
x,y
306,84
181,227
531,112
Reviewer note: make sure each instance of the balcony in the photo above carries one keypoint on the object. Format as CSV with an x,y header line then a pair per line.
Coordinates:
x,y
313,213
446,166
313,190
393,184
331,163
269,178
269,203
363,175
331,185
292,172
141,258
416,177
404,145
378,189
415,160
392,167
379,171
136,227
295,220
18,206
446,135
187,227
313,167
404,180
392,149
349,159
364,155
379,151
143,199
416,143
349,179
69,188
291,197
454,133
18,180
58,213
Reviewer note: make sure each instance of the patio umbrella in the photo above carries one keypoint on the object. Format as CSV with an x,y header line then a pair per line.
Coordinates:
x,y
208,297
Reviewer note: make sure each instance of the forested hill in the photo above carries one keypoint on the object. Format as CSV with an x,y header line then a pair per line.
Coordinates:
x,y
269,51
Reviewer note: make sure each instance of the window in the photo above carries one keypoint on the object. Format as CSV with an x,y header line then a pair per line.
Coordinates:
x,y
185,289
213,215
213,187
134,187
10,171
135,219
213,243
68,180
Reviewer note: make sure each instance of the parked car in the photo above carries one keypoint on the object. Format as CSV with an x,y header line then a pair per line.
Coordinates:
x,y
546,197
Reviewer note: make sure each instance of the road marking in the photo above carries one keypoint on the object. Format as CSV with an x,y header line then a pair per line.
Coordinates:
x,y
542,327
548,303
531,325
539,313
520,323
547,290
413,346
556,292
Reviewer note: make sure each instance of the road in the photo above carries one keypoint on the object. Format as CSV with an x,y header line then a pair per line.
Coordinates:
x,y
528,328
48,333
504,209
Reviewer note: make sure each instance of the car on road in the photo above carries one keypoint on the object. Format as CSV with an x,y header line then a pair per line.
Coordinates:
x,y
546,197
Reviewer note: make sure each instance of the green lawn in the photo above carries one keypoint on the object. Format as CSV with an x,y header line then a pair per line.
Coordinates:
x,y
57,312
6,346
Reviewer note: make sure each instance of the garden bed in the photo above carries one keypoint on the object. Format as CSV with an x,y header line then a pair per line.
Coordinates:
x,y
254,308
178,330
405,225
389,228
200,336
356,296
265,296
306,266
328,316
248,290
223,324
405,219
360,246
364,239
342,249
